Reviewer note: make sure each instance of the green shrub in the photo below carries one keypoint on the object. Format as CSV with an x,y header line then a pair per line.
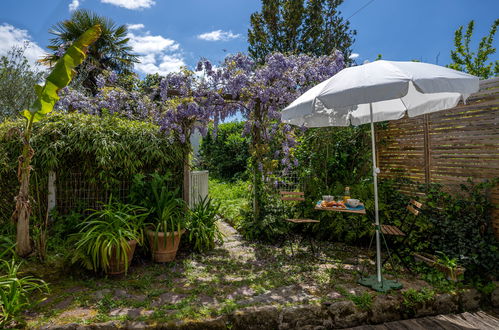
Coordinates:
x,y
461,228
146,187
413,297
271,225
364,301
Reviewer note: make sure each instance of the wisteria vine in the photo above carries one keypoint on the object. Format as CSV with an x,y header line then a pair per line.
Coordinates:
x,y
191,100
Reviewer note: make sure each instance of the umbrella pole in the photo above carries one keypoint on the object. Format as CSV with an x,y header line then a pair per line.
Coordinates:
x,y
376,210
377,282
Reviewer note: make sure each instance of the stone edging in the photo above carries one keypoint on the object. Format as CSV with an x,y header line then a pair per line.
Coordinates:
x,y
338,314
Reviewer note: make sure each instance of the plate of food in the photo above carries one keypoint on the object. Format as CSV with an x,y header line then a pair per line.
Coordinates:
x,y
334,204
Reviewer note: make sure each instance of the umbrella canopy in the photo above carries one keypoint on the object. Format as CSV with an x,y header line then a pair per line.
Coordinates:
x,y
394,89
380,91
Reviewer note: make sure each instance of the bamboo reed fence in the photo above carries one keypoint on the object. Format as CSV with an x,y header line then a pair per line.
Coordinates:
x,y
447,147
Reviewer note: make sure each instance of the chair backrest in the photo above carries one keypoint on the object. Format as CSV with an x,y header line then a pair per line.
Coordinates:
x,y
292,196
414,207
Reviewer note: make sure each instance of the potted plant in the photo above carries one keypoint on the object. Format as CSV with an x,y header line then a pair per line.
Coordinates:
x,y
203,230
449,267
167,226
108,237
443,263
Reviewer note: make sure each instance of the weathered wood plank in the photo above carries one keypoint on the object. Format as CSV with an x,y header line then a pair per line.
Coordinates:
x,y
478,320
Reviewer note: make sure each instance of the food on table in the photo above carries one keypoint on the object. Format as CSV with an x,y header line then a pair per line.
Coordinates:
x,y
335,204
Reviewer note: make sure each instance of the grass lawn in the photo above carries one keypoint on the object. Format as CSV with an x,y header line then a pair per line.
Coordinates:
x,y
232,196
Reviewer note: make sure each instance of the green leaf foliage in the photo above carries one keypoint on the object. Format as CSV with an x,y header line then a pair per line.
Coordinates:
x,y
225,152
110,52
289,26
16,292
460,228
232,197
203,230
475,62
166,208
104,235
61,75
106,150
17,77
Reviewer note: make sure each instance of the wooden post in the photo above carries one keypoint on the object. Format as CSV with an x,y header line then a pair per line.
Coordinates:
x,y
426,149
51,191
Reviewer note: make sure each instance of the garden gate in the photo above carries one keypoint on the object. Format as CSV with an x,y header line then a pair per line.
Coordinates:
x,y
198,187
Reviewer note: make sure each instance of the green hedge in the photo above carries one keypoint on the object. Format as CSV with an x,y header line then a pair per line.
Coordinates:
x,y
225,154
104,149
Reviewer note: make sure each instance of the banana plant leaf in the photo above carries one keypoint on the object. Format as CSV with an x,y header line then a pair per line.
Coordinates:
x,y
61,75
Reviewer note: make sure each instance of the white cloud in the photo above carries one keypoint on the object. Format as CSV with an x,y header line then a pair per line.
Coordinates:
x,y
218,35
131,4
135,26
151,44
74,5
159,54
171,63
11,36
353,56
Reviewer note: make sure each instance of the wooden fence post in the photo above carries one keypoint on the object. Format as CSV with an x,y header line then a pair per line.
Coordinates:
x,y
426,149
51,196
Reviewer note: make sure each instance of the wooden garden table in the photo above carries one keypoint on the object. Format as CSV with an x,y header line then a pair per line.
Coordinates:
x,y
338,209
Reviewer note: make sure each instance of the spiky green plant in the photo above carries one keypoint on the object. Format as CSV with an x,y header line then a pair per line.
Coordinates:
x,y
15,291
168,212
203,230
106,232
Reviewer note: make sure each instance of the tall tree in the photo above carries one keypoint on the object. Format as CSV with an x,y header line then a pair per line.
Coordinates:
x,y
17,78
111,52
475,62
313,27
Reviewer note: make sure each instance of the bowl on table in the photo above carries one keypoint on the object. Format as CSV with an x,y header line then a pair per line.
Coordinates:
x,y
353,202
327,198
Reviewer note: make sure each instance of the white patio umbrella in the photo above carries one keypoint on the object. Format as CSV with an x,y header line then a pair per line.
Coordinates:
x,y
380,91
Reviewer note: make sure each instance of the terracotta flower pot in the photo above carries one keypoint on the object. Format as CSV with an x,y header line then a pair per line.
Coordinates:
x,y
116,266
162,252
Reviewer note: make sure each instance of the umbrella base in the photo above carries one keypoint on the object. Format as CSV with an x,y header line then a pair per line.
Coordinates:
x,y
383,286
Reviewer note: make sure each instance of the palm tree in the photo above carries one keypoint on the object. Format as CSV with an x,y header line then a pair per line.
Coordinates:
x,y
110,52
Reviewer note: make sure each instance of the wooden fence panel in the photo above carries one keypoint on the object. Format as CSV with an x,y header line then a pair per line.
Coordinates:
x,y
447,147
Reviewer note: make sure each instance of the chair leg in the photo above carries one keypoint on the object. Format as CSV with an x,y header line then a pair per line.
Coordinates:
x,y
395,252
312,245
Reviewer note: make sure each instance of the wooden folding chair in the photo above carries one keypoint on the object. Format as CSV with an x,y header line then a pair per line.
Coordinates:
x,y
414,209
298,196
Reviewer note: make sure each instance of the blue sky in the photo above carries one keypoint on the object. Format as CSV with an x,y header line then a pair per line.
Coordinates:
x,y
170,33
